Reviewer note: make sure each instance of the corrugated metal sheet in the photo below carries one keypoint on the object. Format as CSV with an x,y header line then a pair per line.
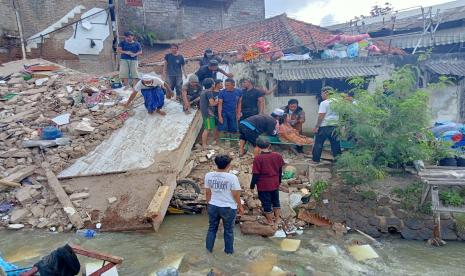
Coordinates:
x,y
330,72
442,37
456,68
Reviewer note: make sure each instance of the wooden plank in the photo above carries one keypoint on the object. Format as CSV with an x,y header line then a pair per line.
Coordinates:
x,y
434,198
9,183
164,202
21,174
96,255
442,208
155,205
426,190
446,182
444,168
63,198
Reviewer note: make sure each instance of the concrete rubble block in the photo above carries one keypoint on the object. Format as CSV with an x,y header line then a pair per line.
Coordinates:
x,y
23,195
42,223
16,226
112,200
38,211
18,215
77,196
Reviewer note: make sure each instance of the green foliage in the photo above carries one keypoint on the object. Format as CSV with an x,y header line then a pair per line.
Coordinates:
x,y
146,37
389,127
443,82
451,198
425,55
369,195
410,198
318,188
460,222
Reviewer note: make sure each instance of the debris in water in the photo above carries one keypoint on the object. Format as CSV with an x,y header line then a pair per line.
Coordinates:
x,y
290,245
313,218
362,252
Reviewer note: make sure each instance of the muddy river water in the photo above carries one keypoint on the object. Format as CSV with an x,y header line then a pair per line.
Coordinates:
x,y
319,254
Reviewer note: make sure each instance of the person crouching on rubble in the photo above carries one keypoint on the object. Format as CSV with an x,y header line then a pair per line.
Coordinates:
x,y
267,171
223,194
152,89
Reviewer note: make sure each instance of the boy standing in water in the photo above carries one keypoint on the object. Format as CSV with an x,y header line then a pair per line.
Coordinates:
x,y
267,170
223,193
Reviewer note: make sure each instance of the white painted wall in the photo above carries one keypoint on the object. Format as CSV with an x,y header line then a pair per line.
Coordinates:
x,y
444,104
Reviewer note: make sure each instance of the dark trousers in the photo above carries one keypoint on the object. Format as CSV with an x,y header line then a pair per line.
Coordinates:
x,y
228,215
175,82
325,132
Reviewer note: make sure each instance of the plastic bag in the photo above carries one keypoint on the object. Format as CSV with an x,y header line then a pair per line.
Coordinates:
x,y
352,50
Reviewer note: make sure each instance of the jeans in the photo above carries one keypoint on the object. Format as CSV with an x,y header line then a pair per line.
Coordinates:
x,y
228,215
326,132
229,122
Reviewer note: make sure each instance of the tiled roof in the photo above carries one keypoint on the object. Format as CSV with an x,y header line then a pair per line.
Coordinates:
x,y
282,31
447,67
310,72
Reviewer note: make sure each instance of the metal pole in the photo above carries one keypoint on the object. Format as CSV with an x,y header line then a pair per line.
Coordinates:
x,y
20,29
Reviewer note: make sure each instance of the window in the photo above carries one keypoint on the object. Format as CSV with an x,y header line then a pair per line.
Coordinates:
x,y
303,87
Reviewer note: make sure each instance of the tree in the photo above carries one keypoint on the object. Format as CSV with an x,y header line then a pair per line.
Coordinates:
x,y
389,128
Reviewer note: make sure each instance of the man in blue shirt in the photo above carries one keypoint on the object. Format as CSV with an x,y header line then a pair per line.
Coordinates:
x,y
229,107
129,49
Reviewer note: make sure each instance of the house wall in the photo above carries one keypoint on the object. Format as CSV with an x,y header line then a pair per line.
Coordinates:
x,y
37,15
444,103
462,100
169,21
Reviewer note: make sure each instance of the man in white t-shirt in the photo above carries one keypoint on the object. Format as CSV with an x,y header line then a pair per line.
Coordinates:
x,y
151,88
325,127
223,193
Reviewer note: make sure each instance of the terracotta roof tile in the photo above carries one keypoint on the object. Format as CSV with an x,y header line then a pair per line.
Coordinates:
x,y
282,31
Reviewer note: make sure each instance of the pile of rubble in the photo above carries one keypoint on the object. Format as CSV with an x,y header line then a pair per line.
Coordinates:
x,y
79,111
297,200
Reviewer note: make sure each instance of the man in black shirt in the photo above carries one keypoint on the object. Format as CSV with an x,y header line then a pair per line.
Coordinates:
x,y
174,69
254,126
210,70
253,102
207,56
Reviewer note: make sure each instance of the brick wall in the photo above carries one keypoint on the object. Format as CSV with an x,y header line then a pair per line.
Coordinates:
x,y
169,21
7,18
244,11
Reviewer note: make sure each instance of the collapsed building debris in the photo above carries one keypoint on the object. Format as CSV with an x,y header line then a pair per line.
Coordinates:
x,y
43,119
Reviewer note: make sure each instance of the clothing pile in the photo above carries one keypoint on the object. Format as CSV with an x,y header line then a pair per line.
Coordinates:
x,y
349,46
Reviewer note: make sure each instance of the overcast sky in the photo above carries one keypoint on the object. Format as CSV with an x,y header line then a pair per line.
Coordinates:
x,y
327,12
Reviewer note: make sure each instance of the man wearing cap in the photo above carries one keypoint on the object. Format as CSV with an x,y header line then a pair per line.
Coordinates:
x,y
325,127
254,126
129,49
191,92
151,88
210,70
207,56
174,69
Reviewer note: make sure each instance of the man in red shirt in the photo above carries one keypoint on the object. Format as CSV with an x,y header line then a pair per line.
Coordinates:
x,y
267,170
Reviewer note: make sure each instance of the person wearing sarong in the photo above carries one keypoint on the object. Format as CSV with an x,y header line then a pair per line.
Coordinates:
x,y
152,89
